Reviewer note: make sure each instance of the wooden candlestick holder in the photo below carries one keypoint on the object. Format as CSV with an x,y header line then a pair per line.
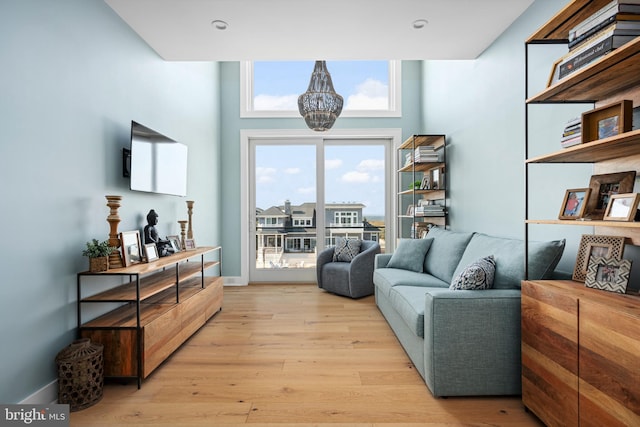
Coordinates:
x,y
183,226
113,202
190,213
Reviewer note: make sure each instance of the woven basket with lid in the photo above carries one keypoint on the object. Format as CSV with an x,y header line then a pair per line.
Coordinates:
x,y
80,374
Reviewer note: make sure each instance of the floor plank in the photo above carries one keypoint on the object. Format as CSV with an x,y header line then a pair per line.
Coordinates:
x,y
293,355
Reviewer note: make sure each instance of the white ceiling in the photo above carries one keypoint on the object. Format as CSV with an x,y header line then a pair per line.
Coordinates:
x,y
181,30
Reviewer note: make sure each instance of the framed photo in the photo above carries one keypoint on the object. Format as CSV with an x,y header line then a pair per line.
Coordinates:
x,y
189,244
426,183
131,247
603,187
151,252
608,274
622,207
574,203
607,121
554,76
174,241
596,246
435,179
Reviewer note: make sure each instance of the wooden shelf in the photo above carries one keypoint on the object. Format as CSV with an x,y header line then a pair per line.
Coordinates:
x,y
150,286
598,80
159,264
557,28
419,140
421,167
125,316
586,223
623,145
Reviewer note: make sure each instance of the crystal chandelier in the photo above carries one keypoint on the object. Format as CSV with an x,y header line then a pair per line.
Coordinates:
x,y
320,105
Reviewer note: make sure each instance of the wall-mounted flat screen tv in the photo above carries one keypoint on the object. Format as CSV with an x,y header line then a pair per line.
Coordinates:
x,y
158,164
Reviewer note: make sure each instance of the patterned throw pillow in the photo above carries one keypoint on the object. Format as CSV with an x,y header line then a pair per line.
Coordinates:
x,y
478,275
346,249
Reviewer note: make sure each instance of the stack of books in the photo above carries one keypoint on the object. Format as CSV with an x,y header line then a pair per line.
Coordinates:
x,y
430,210
615,24
572,134
426,153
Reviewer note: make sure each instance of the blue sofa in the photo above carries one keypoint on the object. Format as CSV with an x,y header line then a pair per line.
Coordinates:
x,y
462,342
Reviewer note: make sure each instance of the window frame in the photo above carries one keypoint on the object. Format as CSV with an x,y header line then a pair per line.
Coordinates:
x,y
246,96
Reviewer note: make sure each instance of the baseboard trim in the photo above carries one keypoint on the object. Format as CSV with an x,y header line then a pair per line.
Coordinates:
x,y
45,396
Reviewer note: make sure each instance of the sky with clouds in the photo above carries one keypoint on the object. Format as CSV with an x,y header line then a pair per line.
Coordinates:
x,y
352,173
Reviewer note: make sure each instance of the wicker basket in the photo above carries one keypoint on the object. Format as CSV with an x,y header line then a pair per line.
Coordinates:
x,y
96,265
80,374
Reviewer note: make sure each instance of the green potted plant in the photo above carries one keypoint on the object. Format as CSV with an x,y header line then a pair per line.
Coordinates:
x,y
98,253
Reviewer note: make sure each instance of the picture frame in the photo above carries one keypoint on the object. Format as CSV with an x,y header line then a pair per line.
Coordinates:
x,y
606,121
608,274
151,252
131,247
575,203
622,207
426,183
175,243
596,246
435,179
603,187
554,75
189,244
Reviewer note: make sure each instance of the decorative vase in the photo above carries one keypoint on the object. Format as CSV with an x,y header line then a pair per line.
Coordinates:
x,y
98,264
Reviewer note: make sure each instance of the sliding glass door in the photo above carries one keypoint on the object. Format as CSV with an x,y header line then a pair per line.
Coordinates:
x,y
304,192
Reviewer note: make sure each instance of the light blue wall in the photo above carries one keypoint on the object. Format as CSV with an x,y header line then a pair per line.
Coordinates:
x,y
232,124
480,105
73,76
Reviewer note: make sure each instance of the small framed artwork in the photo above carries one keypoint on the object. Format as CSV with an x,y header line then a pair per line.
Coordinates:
x,y
175,243
435,179
603,187
426,183
189,244
607,121
622,207
574,203
596,246
131,247
608,274
554,75
151,252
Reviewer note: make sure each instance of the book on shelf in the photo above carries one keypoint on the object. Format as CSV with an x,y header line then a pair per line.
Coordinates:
x,y
572,134
623,28
601,44
612,11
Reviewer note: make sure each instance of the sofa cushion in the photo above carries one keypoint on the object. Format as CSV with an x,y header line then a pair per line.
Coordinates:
x,y
409,255
476,276
387,278
509,257
445,252
346,249
408,301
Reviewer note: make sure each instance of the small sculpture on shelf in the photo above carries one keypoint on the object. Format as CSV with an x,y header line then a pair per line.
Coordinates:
x,y
151,235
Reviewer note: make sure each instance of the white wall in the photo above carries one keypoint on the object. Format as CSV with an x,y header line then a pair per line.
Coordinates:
x,y
73,76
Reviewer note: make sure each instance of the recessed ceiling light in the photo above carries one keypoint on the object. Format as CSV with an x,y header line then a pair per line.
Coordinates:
x,y
419,23
219,25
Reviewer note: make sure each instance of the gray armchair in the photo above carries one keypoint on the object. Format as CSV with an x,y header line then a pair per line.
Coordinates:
x,y
353,279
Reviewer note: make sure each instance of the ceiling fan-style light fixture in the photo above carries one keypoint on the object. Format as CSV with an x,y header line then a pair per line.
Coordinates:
x,y
320,105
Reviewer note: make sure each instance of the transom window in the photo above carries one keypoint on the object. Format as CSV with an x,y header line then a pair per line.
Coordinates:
x,y
369,88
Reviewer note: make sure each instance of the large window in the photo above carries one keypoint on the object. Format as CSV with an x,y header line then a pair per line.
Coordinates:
x,y
369,88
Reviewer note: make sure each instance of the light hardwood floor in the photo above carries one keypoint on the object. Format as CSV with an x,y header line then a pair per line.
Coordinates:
x,y
292,355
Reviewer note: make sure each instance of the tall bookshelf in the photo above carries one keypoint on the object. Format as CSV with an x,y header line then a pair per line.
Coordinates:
x,y
578,363
422,185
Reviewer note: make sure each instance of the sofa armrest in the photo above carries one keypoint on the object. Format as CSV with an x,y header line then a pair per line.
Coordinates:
x,y
382,260
323,257
472,342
